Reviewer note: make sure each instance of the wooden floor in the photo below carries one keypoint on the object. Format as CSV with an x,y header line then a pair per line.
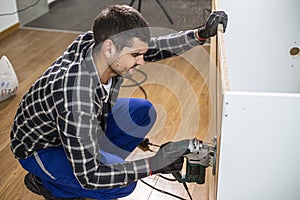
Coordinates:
x,y
176,86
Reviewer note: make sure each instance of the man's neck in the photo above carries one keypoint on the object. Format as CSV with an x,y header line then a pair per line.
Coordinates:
x,y
103,68
104,77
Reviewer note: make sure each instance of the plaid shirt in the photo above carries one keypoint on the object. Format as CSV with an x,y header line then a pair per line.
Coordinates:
x,y
65,106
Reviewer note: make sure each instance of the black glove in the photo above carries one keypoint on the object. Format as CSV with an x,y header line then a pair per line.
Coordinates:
x,y
169,158
211,26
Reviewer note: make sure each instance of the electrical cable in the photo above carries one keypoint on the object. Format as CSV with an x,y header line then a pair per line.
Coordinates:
x,y
187,190
166,178
140,87
184,184
138,84
144,145
20,10
162,191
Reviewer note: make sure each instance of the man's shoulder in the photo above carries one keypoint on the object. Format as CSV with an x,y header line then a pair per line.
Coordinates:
x,y
82,41
76,51
85,37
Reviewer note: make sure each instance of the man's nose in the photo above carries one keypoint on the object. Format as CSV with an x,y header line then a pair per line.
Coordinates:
x,y
140,60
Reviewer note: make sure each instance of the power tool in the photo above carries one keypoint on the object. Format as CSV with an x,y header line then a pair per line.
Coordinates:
x,y
201,156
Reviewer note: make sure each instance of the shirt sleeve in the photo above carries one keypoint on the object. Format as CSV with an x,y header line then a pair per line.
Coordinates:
x,y
80,132
171,45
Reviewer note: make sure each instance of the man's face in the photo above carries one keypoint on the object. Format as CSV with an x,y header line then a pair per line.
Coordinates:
x,y
128,59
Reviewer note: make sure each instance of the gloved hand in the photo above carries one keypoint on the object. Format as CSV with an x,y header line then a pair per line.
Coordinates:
x,y
210,28
169,157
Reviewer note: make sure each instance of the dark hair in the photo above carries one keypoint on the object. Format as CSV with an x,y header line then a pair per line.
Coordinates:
x,y
120,23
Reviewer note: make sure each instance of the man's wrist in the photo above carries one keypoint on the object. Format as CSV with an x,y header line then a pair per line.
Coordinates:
x,y
198,37
150,170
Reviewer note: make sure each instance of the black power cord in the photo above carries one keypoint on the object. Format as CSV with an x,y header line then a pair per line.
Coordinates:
x,y
187,190
162,191
138,84
166,178
145,146
21,10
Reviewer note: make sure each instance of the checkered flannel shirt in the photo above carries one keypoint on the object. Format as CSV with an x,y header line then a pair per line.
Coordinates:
x,y
65,106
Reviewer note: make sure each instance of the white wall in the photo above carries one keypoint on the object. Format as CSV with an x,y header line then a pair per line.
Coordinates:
x,y
8,6
33,12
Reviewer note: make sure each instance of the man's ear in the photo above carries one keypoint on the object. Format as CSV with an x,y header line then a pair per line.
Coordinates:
x,y
108,49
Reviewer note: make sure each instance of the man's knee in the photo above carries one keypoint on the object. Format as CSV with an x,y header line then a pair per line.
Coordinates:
x,y
131,115
142,111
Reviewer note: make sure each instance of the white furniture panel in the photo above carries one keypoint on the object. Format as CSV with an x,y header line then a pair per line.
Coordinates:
x,y
260,150
258,40
259,156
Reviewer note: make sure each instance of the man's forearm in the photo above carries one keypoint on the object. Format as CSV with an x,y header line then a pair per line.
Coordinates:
x,y
171,45
114,175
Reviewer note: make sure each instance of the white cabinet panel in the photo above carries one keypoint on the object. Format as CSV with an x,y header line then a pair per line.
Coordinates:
x,y
258,40
259,149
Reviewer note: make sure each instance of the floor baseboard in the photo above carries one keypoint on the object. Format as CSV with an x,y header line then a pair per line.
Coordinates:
x,y
9,30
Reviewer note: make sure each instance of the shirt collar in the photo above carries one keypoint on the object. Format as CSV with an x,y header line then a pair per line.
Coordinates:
x,y
93,70
91,66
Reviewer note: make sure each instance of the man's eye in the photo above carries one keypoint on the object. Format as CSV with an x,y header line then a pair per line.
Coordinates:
x,y
136,54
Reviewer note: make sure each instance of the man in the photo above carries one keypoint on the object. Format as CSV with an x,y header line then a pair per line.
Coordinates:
x,y
71,132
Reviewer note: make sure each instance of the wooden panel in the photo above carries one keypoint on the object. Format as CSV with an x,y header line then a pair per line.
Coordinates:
x,y
218,84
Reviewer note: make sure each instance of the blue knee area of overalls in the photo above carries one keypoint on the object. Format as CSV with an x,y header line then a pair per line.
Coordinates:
x,y
142,111
129,122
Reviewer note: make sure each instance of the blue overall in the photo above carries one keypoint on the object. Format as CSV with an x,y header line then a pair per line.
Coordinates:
x,y
124,129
